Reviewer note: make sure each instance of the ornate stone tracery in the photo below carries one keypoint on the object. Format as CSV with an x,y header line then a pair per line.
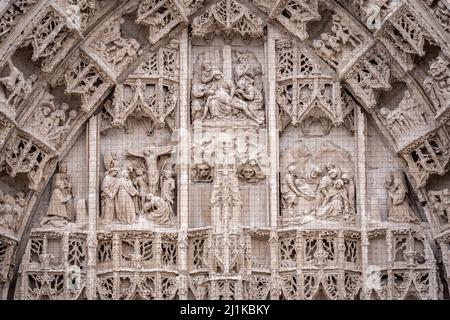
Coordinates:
x,y
209,192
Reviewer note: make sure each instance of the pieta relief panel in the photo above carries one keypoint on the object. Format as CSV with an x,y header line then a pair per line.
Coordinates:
x,y
224,150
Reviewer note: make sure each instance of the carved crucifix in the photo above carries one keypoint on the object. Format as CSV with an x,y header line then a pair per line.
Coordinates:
x,y
151,155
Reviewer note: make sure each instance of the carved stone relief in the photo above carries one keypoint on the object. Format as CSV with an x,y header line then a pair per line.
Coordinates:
x,y
313,187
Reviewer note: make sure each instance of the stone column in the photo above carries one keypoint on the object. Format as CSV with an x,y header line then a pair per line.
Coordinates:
x,y
361,190
273,148
183,160
92,137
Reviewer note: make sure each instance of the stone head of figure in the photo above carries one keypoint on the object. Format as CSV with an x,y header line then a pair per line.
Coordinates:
x,y
346,178
64,106
207,67
389,180
139,171
63,167
46,110
315,172
242,57
125,173
203,170
217,74
8,200
339,184
149,197
168,173
334,173
113,172
73,114
248,171
291,169
439,69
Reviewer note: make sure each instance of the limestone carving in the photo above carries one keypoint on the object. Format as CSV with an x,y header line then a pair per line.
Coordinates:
x,y
12,14
51,121
51,36
440,205
11,210
404,36
437,84
15,88
228,17
202,173
429,156
250,172
116,51
410,115
400,209
198,186
312,188
85,80
23,154
370,75
7,252
217,98
150,94
160,16
295,15
335,47
61,201
138,187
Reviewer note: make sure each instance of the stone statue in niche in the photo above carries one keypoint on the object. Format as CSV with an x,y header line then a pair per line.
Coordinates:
x,y
437,84
202,173
59,210
317,186
217,98
250,172
398,202
11,210
14,88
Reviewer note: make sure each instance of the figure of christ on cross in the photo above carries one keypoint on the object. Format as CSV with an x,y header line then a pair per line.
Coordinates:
x,y
150,156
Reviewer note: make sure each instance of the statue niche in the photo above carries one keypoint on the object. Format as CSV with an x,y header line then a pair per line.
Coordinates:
x,y
215,98
318,185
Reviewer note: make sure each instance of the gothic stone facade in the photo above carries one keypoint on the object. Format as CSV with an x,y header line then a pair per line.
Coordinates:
x,y
175,149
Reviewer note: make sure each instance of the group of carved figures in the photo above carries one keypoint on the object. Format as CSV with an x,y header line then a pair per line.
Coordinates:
x,y
326,192
54,122
332,47
406,117
15,87
11,209
217,98
132,190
